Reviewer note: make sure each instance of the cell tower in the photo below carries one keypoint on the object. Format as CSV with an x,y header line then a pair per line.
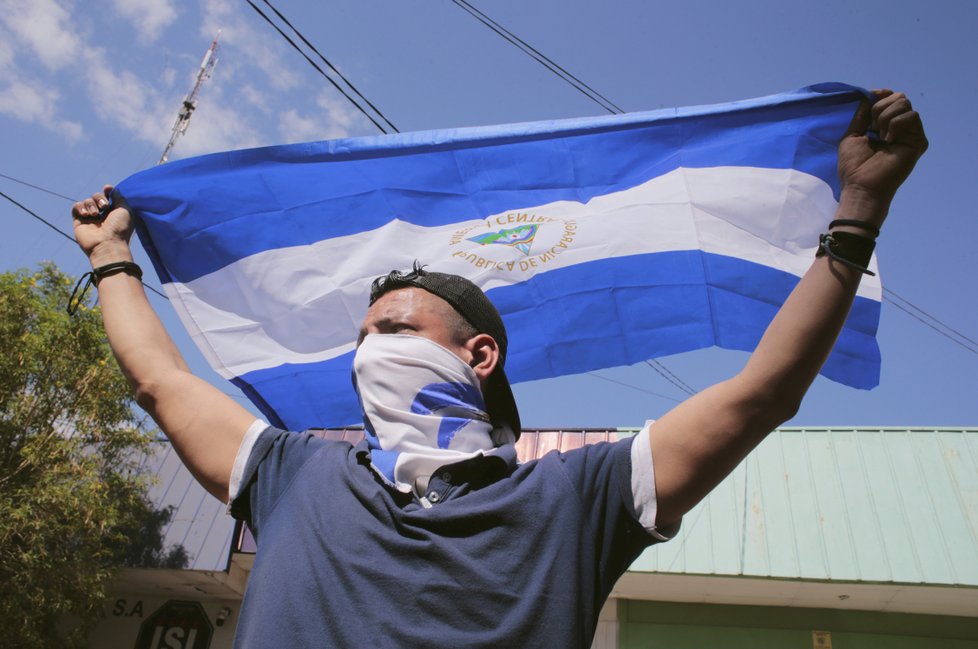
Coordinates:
x,y
190,101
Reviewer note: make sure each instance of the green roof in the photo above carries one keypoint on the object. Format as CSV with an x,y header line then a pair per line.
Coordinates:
x,y
884,505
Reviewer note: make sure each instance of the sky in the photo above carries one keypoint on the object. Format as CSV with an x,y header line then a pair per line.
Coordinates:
x,y
89,92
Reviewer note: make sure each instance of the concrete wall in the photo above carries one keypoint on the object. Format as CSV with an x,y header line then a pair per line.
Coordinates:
x,y
130,614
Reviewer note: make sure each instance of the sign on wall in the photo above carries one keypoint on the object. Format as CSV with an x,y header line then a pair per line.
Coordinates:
x,y
176,625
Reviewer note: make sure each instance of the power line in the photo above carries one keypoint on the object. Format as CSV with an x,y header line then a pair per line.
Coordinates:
x,y
39,218
668,375
909,310
541,58
331,66
917,308
319,69
66,235
634,387
38,188
927,324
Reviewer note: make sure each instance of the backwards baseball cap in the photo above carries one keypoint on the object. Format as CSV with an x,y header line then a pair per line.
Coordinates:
x,y
472,304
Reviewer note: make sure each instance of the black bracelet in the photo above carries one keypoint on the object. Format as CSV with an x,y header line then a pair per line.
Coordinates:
x,y
96,275
868,227
128,267
848,248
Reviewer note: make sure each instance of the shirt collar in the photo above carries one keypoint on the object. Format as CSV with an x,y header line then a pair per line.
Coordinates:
x,y
456,479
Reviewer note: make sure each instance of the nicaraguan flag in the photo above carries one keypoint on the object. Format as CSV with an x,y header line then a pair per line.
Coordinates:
x,y
602,241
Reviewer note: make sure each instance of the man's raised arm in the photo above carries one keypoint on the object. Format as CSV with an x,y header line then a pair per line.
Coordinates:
x,y
700,441
204,424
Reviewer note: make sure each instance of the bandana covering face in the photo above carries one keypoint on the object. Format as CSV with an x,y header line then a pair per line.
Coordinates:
x,y
422,408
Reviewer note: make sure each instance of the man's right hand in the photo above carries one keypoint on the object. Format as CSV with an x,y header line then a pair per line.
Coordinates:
x,y
103,239
871,170
205,425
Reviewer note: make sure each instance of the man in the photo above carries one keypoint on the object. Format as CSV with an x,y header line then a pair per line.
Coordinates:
x,y
429,534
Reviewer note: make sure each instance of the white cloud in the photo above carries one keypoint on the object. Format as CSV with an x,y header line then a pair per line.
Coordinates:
x,y
216,127
48,32
149,17
168,76
296,128
24,100
335,119
255,97
34,103
6,51
260,49
46,28
124,99
26,97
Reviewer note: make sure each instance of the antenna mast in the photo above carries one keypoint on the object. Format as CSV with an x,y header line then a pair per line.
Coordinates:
x,y
190,101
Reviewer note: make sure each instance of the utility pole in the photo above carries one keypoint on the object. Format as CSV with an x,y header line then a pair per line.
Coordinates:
x,y
190,101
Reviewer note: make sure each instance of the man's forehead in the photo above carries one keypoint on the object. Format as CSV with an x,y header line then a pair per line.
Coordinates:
x,y
404,298
406,301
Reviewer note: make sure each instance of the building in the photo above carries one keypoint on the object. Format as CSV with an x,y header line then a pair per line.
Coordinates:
x,y
822,537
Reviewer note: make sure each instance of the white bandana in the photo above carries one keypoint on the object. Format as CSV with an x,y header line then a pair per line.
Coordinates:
x,y
422,408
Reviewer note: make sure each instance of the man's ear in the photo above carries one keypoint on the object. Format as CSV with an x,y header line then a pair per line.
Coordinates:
x,y
485,355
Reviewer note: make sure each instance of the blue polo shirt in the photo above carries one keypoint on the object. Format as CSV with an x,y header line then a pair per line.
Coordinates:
x,y
496,555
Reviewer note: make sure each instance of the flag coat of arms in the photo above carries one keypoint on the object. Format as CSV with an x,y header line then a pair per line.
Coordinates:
x,y
602,241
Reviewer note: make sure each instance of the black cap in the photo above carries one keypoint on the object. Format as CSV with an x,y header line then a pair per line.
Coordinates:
x,y
473,305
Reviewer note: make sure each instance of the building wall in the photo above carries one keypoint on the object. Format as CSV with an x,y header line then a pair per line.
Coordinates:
x,y
128,613
661,625
606,635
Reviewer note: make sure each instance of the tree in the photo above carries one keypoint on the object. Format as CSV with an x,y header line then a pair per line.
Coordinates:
x,y
143,546
73,501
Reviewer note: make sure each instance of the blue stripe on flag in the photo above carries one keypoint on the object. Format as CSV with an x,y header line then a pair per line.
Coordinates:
x,y
665,309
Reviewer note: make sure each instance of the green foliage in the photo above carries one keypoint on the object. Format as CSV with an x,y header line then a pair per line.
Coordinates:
x,y
72,497
143,546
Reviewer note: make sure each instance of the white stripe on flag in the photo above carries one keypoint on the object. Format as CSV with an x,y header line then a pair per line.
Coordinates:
x,y
273,307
